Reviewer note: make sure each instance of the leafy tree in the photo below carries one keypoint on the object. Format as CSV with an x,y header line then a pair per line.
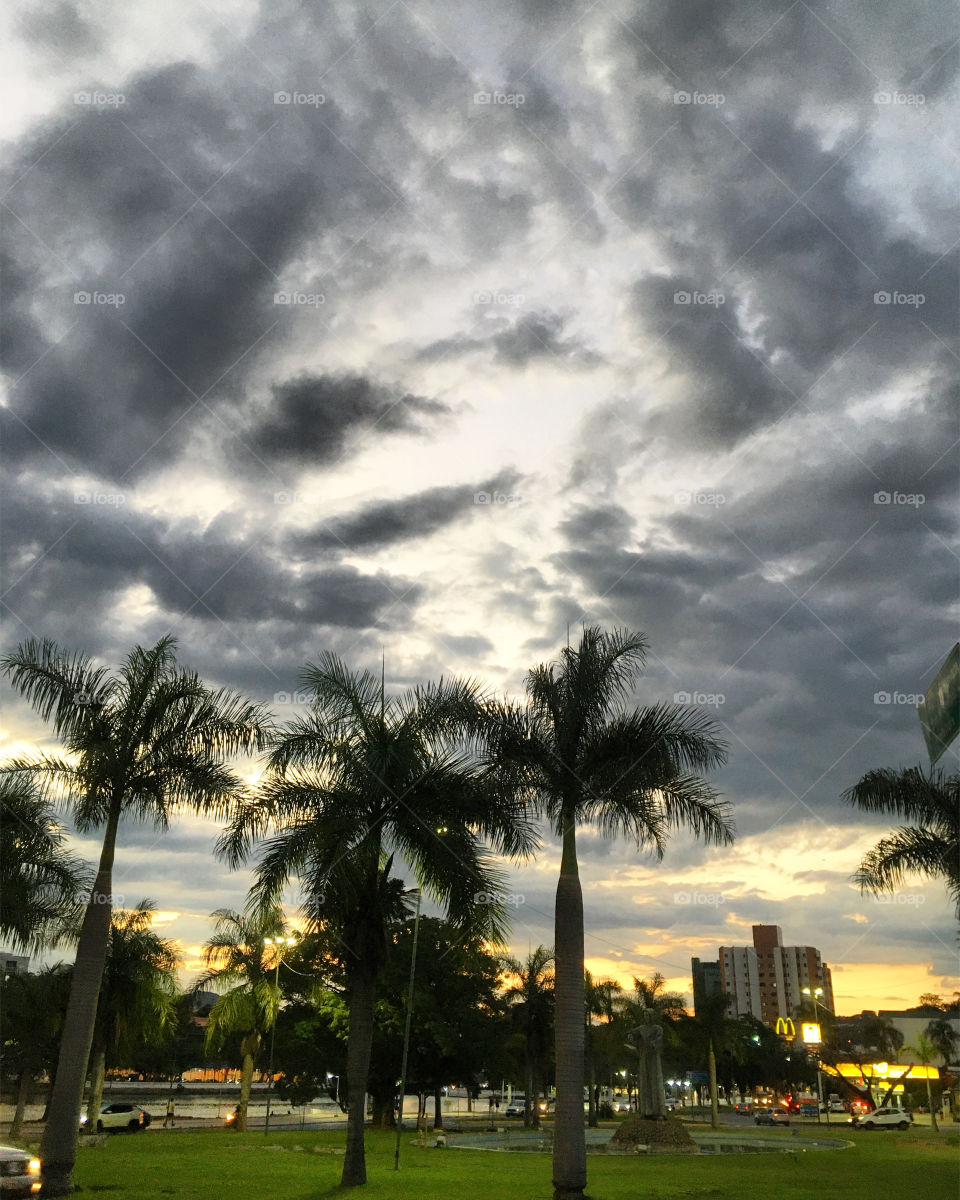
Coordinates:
x,y
532,998
32,1008
138,995
41,882
145,742
238,959
944,1037
358,781
929,841
713,1032
601,997
585,758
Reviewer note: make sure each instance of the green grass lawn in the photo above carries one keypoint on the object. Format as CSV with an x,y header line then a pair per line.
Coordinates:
x,y
222,1165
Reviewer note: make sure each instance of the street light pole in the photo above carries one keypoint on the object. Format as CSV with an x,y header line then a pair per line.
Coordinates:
x,y
279,943
813,993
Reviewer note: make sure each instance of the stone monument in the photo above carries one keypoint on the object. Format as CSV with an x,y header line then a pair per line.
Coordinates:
x,y
652,1129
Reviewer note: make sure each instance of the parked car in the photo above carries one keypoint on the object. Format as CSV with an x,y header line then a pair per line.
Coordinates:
x,y
744,1107
837,1106
883,1118
514,1109
670,1104
19,1172
772,1116
120,1116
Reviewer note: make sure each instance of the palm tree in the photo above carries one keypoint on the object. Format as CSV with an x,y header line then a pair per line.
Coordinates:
x,y
924,1051
357,781
138,994
601,1000
929,841
36,868
532,995
238,958
584,758
145,742
941,1032
716,1033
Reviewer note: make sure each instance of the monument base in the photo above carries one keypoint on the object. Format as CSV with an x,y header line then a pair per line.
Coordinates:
x,y
658,1134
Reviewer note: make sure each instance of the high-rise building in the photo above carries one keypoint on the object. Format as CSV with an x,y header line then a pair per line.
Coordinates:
x,y
706,981
766,980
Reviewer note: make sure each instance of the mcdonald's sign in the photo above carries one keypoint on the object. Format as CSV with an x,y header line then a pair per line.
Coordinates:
x,y
786,1028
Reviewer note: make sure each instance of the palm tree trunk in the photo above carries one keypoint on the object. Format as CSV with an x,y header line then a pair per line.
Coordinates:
x,y
527,1087
23,1096
359,1044
58,1149
98,1064
569,1141
933,1116
437,1107
246,1082
714,1103
591,1079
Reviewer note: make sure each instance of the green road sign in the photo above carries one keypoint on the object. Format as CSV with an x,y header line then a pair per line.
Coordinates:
x,y
940,710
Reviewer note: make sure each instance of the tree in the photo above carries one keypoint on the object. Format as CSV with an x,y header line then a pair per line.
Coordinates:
x,y
532,996
145,742
138,995
944,1037
924,1051
32,1007
585,759
929,841
601,997
714,1033
362,780
238,958
41,882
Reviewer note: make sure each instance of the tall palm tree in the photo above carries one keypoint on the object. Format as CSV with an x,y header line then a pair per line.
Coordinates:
x,y
145,742
532,994
584,758
357,781
239,959
138,994
928,843
941,1032
714,1033
41,882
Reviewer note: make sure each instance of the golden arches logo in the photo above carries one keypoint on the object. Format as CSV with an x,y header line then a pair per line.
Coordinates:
x,y
785,1027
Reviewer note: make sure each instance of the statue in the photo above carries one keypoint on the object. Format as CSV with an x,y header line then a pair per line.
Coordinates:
x,y
647,1040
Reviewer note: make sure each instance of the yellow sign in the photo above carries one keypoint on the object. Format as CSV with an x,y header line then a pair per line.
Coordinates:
x,y
882,1070
785,1027
810,1033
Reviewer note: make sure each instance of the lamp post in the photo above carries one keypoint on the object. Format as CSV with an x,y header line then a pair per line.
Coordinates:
x,y
280,943
330,1076
813,993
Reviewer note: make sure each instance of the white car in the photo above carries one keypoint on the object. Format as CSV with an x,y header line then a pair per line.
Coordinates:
x,y
883,1118
120,1116
19,1172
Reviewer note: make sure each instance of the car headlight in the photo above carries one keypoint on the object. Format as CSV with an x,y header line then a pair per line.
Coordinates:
x,y
33,1166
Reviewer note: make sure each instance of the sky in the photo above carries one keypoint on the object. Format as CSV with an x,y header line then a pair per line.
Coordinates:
x,y
432,330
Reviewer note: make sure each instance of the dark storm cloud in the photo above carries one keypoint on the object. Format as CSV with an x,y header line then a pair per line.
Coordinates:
x,y
533,337
313,419
392,521
190,199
